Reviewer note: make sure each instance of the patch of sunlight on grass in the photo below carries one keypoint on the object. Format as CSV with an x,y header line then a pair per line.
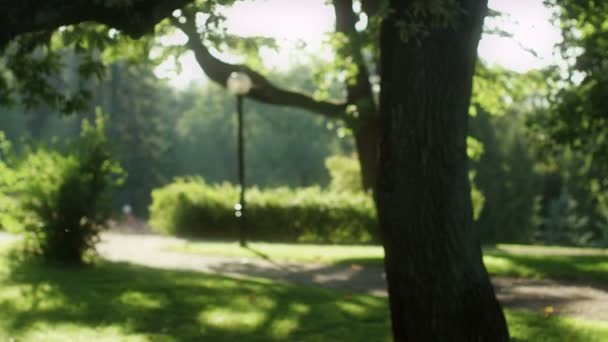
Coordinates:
x,y
228,319
351,309
299,308
525,326
30,297
120,302
600,266
550,250
497,265
571,267
323,254
58,332
142,300
282,328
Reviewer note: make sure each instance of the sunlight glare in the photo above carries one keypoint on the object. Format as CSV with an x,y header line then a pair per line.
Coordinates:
x,y
300,28
307,20
529,21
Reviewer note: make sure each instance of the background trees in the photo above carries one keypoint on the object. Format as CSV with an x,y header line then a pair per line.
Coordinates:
x,y
356,51
424,198
158,133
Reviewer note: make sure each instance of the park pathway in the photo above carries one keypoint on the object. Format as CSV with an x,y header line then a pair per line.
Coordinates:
x,y
567,298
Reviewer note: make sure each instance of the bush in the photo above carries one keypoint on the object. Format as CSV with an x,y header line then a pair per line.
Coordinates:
x,y
59,202
345,173
190,207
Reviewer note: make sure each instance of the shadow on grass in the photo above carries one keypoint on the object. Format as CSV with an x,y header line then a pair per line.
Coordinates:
x,y
258,253
592,269
367,261
371,261
178,305
166,305
353,279
530,327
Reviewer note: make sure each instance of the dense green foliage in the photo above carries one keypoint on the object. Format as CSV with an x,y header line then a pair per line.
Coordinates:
x,y
59,201
190,207
578,117
158,133
530,195
345,174
506,177
572,133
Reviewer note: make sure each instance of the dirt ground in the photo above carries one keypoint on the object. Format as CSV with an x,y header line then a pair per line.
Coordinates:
x,y
538,295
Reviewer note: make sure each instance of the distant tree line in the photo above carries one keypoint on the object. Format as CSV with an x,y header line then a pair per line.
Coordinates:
x,y
158,133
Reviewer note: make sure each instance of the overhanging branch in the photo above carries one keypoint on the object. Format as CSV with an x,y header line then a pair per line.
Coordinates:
x,y
359,92
134,17
263,90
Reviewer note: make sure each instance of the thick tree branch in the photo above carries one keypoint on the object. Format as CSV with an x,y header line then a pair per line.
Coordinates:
x,y
360,92
263,90
371,7
134,17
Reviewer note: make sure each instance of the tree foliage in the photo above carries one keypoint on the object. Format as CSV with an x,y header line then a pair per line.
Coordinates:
x,y
579,117
548,192
158,133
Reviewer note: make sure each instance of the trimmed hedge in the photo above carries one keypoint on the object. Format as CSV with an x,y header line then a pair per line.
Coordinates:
x,y
192,208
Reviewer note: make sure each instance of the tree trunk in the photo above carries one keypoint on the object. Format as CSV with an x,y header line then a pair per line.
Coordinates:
x,y
366,141
438,287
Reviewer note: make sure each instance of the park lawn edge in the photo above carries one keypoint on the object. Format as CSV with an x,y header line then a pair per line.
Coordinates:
x,y
106,284
575,264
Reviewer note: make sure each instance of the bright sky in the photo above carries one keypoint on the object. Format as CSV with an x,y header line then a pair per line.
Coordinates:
x,y
308,20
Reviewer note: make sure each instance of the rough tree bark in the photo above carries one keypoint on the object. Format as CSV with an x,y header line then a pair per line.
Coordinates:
x,y
367,135
438,287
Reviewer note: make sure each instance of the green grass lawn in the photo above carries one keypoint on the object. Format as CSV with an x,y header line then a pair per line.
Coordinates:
x,y
117,302
120,302
322,254
513,260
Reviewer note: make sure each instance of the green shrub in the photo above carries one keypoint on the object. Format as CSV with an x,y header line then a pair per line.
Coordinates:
x,y
345,173
59,202
190,207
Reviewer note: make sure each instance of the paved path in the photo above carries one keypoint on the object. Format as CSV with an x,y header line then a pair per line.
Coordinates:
x,y
573,299
148,250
